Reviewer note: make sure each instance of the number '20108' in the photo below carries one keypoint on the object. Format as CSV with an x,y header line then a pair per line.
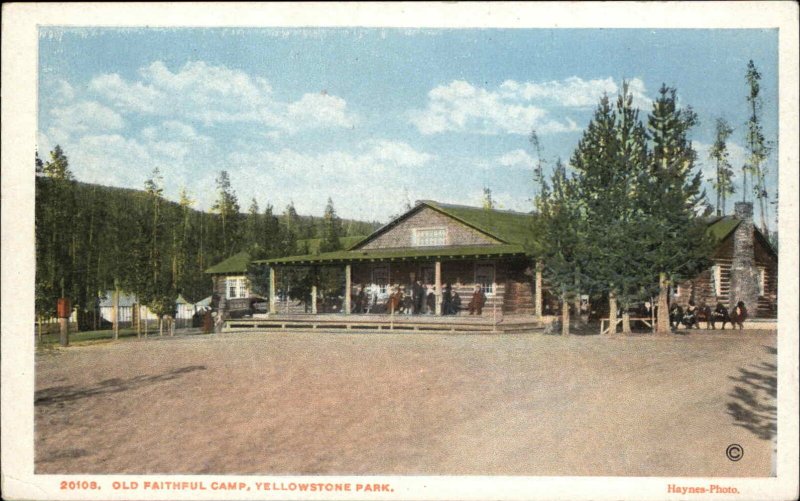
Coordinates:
x,y
78,484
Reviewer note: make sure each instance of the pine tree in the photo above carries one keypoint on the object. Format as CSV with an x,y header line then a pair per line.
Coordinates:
x,y
613,169
227,206
272,234
488,202
675,198
563,253
332,230
539,183
759,148
290,230
723,183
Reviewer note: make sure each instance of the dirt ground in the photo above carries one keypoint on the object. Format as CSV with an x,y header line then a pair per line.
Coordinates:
x,y
378,403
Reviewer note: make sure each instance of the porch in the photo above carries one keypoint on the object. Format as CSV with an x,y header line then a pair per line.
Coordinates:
x,y
438,282
489,323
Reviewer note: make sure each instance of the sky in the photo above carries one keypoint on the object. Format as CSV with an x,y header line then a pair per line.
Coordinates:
x,y
373,118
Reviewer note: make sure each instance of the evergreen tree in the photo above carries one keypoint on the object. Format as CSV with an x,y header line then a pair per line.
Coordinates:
x,y
254,231
488,203
39,165
332,230
227,206
759,148
539,183
563,253
610,161
271,236
675,197
290,228
723,183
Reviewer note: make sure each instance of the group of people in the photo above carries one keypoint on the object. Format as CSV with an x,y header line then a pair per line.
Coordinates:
x,y
693,315
422,300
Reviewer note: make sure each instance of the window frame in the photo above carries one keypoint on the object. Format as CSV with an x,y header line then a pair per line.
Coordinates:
x,y
377,270
239,284
415,236
492,287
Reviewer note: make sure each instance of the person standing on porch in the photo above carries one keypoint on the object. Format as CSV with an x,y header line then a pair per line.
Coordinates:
x,y
431,300
477,302
447,300
418,296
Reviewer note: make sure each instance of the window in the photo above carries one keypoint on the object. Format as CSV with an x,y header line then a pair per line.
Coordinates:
x,y
762,281
236,288
429,237
484,276
380,277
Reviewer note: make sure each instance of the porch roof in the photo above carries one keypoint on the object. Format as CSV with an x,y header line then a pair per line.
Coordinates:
x,y
404,254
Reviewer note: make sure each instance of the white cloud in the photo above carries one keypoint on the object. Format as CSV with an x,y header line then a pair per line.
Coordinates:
x,y
216,94
64,92
83,116
398,153
363,183
515,107
516,158
320,109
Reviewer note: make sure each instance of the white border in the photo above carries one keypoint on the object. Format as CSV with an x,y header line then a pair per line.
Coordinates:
x,y
19,70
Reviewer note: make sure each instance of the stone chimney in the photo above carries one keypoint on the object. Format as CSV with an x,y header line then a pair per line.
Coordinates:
x,y
744,274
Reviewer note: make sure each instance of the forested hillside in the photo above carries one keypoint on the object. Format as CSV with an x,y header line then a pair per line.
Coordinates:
x,y
91,238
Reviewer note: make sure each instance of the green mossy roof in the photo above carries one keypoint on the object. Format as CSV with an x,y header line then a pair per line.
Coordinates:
x,y
721,226
511,228
234,264
507,226
473,251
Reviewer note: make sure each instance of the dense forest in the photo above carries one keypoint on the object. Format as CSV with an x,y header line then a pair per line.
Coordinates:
x,y
91,239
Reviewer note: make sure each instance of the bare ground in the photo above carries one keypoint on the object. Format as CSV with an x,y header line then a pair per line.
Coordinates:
x,y
303,403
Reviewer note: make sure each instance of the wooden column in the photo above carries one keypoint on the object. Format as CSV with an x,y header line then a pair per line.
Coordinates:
x,y
115,302
347,287
63,331
538,296
314,299
272,303
438,280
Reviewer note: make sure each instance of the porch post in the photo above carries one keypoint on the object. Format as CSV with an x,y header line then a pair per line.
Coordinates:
x,y
347,287
438,273
538,293
314,299
272,304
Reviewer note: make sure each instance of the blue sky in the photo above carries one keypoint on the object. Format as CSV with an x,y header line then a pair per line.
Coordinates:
x,y
371,117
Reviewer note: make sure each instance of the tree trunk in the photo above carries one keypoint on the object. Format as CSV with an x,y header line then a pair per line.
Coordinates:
x,y
138,320
160,326
577,306
116,311
40,329
662,320
626,322
564,317
612,313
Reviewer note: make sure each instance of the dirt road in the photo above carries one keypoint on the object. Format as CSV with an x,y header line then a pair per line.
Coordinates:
x,y
302,403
